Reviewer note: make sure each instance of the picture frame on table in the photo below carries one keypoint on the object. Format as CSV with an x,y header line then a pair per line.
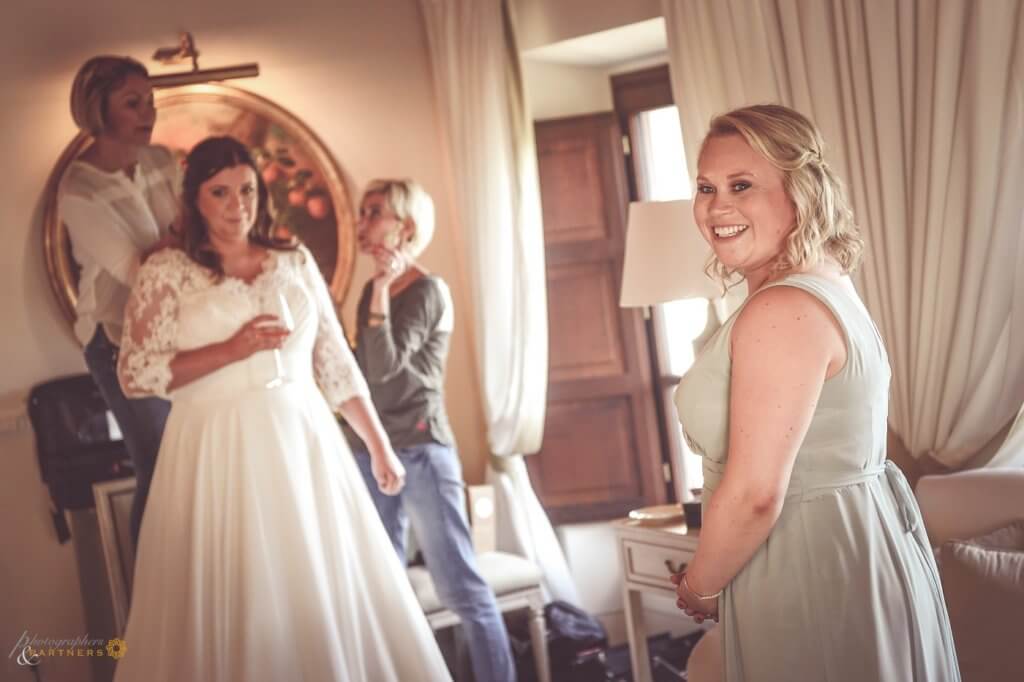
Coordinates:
x,y
113,513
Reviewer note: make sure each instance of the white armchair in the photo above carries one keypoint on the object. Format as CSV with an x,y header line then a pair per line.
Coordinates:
x,y
975,520
969,503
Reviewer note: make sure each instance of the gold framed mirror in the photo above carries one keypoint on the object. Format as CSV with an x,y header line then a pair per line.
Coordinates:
x,y
309,196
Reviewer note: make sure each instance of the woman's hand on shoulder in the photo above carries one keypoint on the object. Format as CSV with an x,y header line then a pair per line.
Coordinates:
x,y
168,241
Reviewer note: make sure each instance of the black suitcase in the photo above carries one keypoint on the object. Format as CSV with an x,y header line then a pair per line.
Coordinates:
x,y
75,443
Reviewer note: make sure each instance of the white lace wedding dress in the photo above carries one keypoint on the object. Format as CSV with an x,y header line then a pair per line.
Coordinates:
x,y
261,556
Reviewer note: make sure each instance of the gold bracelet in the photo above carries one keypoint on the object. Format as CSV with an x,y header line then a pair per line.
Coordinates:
x,y
376,317
700,596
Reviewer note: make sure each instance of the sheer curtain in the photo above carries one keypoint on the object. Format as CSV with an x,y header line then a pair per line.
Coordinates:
x,y
923,105
497,197
1011,453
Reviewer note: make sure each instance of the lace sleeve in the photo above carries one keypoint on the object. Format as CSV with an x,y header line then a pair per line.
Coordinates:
x,y
334,367
151,327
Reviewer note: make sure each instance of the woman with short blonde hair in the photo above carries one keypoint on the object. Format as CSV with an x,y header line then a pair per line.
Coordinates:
x,y
405,321
413,206
118,200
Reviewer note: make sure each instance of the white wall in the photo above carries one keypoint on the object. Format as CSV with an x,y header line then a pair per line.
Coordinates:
x,y
558,90
542,22
355,72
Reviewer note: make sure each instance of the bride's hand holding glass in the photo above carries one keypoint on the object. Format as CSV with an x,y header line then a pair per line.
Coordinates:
x,y
276,306
258,334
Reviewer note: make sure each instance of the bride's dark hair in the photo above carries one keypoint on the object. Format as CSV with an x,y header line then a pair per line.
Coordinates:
x,y
206,159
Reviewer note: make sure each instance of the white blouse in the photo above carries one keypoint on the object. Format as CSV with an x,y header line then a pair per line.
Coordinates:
x,y
111,220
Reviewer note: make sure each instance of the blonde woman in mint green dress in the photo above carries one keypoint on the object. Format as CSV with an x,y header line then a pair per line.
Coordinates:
x,y
812,554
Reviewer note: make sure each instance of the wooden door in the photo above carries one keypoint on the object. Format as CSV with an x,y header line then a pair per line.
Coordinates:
x,y
601,452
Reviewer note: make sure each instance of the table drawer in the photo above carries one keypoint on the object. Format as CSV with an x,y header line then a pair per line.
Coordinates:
x,y
646,563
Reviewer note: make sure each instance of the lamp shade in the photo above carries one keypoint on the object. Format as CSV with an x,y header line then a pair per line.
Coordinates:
x,y
665,255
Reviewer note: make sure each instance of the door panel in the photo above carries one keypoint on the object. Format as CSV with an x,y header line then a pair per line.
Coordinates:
x,y
601,453
582,300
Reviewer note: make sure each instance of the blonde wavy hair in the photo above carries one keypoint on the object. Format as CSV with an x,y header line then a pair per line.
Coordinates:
x,y
794,145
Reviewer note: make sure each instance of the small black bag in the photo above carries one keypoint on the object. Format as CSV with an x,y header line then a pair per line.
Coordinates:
x,y
571,631
576,644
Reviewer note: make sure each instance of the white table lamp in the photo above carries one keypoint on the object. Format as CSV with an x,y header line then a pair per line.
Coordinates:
x,y
664,261
665,255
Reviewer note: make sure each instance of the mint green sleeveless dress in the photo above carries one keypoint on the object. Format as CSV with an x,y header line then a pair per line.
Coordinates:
x,y
845,588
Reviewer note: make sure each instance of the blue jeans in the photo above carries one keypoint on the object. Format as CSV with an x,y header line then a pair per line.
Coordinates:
x,y
435,497
141,421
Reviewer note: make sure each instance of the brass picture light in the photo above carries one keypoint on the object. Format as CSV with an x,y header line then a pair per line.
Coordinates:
x,y
186,50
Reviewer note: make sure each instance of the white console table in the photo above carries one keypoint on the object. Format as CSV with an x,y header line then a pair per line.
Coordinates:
x,y
649,555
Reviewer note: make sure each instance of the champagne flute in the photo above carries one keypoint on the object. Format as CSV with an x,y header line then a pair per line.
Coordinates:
x,y
277,305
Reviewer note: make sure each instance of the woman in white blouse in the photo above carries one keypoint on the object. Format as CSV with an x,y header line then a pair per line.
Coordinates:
x,y
118,200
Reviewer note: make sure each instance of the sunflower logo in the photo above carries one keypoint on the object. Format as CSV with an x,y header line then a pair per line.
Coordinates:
x,y
116,648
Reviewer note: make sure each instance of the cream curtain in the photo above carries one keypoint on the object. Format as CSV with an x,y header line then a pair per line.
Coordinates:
x,y
1011,453
923,106
497,197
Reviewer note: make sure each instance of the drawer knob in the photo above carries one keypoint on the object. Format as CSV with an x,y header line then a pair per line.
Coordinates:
x,y
675,569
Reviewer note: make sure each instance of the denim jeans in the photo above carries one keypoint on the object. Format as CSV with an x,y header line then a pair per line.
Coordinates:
x,y
141,420
434,496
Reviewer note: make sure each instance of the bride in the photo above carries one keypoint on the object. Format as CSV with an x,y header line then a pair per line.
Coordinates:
x,y
261,556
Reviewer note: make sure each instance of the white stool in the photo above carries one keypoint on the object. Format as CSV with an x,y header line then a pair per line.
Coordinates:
x,y
516,585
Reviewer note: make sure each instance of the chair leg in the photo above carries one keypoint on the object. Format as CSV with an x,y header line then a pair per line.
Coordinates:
x,y
538,637
461,654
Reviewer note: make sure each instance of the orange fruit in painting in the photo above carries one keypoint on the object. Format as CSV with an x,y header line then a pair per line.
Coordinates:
x,y
283,232
297,196
318,206
272,173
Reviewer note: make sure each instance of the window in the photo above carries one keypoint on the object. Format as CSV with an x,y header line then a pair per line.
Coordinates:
x,y
658,172
659,157
660,164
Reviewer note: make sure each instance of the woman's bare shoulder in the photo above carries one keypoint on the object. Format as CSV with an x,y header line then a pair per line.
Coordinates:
x,y
787,319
